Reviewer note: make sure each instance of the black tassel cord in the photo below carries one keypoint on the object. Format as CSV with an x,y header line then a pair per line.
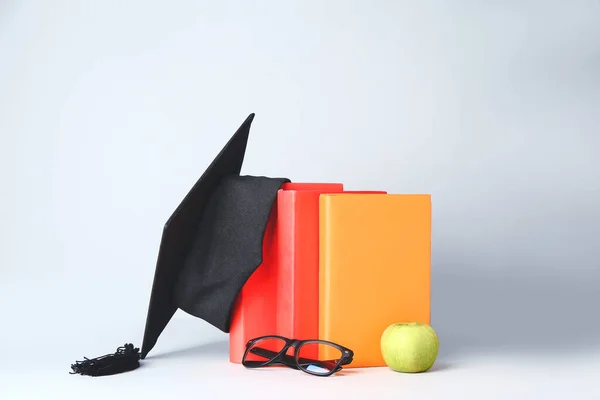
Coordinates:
x,y
126,358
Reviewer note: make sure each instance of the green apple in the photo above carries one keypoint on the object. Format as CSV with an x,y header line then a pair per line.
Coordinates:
x,y
409,346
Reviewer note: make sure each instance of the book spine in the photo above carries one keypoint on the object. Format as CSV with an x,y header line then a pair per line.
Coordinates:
x,y
286,202
306,295
324,232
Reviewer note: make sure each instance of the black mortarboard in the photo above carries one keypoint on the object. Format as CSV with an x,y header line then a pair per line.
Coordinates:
x,y
210,246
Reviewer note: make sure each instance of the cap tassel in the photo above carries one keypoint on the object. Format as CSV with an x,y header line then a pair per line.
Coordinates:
x,y
126,358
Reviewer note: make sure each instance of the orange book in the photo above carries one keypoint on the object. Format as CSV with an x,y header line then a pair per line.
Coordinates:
x,y
374,268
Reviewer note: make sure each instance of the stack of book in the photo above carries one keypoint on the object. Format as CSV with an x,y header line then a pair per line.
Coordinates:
x,y
340,266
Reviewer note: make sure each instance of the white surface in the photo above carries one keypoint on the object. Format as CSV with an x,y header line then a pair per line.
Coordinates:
x,y
110,111
191,362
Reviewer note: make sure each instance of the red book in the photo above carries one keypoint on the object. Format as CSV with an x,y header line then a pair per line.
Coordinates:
x,y
261,303
298,261
254,312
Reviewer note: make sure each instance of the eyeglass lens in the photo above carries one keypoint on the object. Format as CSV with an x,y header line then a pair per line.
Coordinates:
x,y
264,350
318,358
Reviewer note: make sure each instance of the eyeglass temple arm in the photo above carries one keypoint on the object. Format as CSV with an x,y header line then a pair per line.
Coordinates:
x,y
288,360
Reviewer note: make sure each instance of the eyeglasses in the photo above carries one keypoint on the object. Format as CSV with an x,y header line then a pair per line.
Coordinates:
x,y
315,357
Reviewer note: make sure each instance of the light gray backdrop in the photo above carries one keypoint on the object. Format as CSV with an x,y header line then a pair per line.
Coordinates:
x,y
110,111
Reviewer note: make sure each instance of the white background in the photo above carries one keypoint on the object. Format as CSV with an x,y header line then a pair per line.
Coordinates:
x,y
110,111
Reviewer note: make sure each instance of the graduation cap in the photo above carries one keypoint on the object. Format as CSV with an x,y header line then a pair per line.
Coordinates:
x,y
210,246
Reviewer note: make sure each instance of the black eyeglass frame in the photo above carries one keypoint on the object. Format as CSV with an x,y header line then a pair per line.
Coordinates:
x,y
295,362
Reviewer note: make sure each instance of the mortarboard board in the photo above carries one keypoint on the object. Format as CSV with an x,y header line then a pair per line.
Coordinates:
x,y
210,246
